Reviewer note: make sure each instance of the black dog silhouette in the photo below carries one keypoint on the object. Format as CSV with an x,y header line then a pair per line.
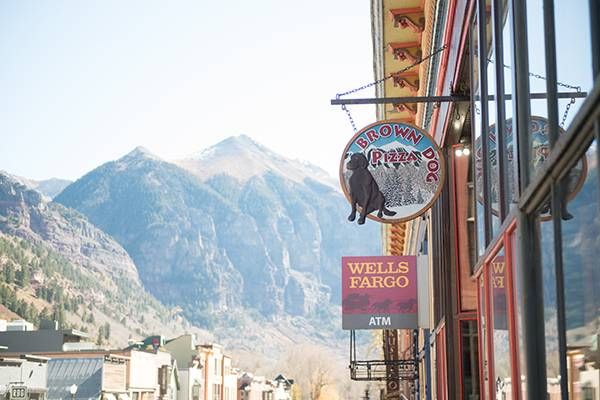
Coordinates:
x,y
364,191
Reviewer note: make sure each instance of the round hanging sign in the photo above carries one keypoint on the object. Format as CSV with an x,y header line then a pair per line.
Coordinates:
x,y
391,171
539,150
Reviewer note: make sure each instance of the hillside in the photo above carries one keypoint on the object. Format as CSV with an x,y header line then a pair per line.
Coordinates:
x,y
55,264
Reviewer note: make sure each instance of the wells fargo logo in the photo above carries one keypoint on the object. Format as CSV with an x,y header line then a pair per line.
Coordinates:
x,y
377,275
498,273
379,292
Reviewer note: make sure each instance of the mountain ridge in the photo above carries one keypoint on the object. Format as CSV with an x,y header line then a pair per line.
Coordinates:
x,y
263,248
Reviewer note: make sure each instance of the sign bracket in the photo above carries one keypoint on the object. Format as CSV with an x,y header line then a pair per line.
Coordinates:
x,y
442,99
380,370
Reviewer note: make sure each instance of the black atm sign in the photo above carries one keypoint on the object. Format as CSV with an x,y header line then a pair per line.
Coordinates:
x,y
18,393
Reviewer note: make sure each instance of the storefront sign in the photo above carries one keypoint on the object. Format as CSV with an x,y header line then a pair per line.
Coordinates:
x,y
379,292
540,148
499,283
393,170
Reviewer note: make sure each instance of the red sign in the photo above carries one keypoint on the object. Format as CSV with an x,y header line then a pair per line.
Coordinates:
x,y
379,292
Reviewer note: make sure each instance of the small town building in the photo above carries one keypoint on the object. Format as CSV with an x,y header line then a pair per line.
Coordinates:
x,y
88,377
23,375
205,371
19,338
251,387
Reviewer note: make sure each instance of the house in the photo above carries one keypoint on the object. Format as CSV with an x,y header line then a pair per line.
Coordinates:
x,y
205,371
251,387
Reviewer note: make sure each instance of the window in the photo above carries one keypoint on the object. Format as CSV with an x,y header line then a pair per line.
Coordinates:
x,y
216,391
469,357
580,248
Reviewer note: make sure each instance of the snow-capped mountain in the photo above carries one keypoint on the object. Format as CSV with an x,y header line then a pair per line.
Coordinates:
x,y
242,158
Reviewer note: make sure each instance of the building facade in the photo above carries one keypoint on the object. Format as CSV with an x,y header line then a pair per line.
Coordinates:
x,y
513,241
205,369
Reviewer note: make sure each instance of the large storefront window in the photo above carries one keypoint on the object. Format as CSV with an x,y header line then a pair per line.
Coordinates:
x,y
572,43
510,138
581,252
476,118
537,70
545,232
518,307
492,159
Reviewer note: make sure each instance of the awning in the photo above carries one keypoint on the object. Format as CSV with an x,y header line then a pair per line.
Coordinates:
x,y
123,396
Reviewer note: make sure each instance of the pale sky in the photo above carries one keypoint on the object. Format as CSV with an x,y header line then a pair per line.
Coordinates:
x,y
85,82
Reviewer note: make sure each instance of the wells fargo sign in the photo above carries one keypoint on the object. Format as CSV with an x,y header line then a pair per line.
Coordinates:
x,y
379,292
392,169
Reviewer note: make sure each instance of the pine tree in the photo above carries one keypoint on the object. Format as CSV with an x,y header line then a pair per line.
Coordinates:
x,y
107,331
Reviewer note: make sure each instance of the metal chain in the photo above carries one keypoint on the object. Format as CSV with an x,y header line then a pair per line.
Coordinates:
x,y
378,81
565,85
571,102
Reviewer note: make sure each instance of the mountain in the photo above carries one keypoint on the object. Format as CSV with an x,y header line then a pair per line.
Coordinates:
x,y
48,187
242,158
51,187
241,230
55,263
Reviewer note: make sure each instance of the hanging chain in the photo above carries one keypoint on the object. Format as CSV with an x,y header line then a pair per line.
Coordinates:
x,y
378,81
565,85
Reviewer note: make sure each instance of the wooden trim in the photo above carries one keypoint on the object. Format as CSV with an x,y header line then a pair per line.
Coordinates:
x,y
463,41
488,333
447,38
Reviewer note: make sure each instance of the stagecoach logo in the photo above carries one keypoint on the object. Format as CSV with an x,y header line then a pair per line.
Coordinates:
x,y
391,171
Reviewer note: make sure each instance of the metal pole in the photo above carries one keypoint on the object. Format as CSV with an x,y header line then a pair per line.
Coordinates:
x,y
557,192
595,31
441,99
483,88
529,253
501,157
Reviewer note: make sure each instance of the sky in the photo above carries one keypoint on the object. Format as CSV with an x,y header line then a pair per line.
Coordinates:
x,y
85,82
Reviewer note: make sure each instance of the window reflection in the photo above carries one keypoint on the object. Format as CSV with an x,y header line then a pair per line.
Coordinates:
x,y
476,115
545,232
494,175
572,43
581,244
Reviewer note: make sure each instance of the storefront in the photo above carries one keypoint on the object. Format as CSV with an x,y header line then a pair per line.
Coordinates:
x,y
514,239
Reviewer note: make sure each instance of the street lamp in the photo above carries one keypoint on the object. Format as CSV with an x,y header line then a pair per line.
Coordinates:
x,y
73,390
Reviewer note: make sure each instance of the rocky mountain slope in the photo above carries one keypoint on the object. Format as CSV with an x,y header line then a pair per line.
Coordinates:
x,y
48,187
54,263
239,229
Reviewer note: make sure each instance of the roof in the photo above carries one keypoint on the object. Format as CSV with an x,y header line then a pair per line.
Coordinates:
x,y
86,373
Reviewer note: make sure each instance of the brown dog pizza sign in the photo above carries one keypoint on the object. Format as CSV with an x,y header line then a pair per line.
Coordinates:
x,y
391,171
